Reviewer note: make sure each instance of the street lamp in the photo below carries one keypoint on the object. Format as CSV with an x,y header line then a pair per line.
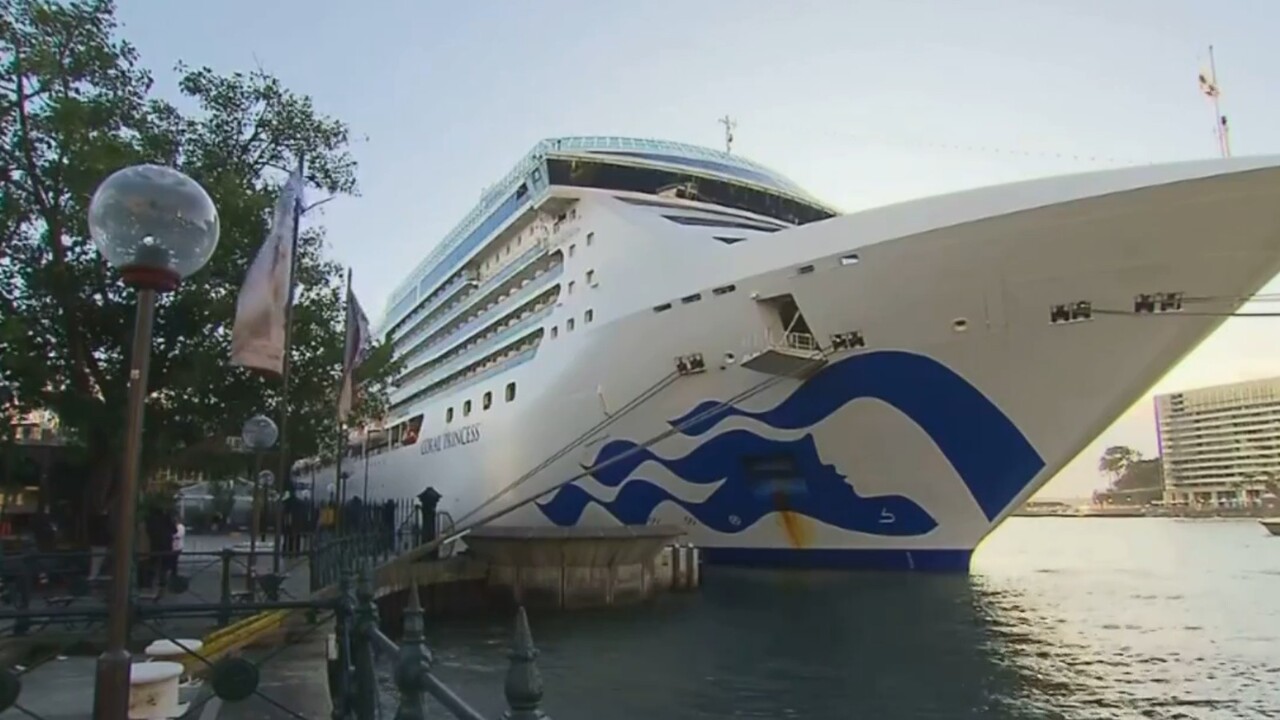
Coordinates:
x,y
259,435
156,226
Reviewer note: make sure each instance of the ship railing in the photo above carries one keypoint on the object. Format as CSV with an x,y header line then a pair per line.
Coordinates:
x,y
780,340
804,342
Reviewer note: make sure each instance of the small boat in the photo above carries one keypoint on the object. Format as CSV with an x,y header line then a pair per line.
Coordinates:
x,y
1272,524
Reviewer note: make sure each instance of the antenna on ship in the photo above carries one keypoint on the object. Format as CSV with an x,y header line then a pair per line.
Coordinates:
x,y
729,124
1209,86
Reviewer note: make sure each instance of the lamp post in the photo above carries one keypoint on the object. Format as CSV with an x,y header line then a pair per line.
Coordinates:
x,y
259,434
156,226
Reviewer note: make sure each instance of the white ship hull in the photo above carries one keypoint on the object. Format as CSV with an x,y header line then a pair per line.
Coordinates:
x,y
964,400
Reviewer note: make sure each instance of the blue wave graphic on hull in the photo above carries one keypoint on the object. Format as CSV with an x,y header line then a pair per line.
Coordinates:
x,y
806,486
993,458
988,452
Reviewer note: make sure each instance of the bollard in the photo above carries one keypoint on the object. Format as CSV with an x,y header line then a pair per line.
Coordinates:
x,y
523,687
413,662
365,702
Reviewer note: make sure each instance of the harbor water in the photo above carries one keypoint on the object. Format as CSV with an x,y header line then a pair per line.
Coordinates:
x,y
1061,618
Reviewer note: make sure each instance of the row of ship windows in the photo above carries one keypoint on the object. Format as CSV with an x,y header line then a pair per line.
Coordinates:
x,y
587,317
486,402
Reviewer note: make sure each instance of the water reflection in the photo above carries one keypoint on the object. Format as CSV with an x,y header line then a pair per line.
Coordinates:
x,y
1057,621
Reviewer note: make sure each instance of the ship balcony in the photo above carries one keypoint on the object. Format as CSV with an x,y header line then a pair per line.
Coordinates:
x,y
481,293
411,326
535,286
793,354
420,380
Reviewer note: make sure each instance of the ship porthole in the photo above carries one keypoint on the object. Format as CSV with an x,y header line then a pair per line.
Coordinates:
x,y
960,325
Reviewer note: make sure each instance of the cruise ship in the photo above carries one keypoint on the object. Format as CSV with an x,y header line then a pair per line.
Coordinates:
x,y
629,332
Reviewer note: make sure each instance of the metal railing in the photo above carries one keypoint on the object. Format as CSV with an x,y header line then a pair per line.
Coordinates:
x,y
359,642
357,638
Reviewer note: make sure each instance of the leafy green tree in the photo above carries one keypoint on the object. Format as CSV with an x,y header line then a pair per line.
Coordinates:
x,y
75,106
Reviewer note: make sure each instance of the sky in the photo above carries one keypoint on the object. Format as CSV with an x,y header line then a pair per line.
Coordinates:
x,y
862,103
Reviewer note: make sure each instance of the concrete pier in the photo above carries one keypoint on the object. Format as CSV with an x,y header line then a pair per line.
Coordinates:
x,y
581,567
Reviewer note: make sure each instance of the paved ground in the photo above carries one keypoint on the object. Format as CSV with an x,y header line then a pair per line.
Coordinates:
x,y
294,679
292,684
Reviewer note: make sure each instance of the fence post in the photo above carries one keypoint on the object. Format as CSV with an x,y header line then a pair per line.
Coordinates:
x,y
23,600
412,663
366,698
340,666
224,589
524,682
313,576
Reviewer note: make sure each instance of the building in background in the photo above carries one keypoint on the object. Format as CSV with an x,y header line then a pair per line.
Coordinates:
x,y
38,427
1220,445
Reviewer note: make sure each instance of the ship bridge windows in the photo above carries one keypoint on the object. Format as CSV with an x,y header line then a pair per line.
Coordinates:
x,y
715,222
607,175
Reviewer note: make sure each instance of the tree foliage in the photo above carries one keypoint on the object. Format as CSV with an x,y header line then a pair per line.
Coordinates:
x,y
75,105
1116,460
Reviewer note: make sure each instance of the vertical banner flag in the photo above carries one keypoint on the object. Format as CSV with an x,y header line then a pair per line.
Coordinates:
x,y
257,336
357,346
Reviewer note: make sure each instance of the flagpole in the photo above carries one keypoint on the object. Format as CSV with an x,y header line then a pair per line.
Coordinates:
x,y
1219,127
342,438
282,477
366,464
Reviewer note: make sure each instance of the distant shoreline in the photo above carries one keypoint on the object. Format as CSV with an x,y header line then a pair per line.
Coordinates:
x,y
1113,511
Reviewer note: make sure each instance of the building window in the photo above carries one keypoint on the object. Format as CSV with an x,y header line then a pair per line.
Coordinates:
x,y
568,325
590,236
570,287
588,316
571,249
466,408
448,415
488,400
555,332
591,278
511,391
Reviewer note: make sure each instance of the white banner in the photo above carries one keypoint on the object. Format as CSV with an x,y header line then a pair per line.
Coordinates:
x,y
257,337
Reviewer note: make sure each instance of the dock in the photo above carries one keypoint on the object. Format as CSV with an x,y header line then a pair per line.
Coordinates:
x,y
277,660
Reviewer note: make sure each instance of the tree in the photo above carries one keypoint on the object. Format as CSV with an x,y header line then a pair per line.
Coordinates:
x,y
74,107
1116,459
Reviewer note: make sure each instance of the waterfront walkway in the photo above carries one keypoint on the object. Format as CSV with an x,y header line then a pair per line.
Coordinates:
x,y
293,684
59,687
